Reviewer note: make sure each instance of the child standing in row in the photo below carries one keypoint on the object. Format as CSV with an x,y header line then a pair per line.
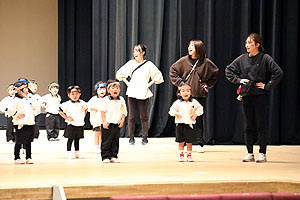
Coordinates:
x,y
74,111
113,112
10,135
51,103
37,101
186,110
95,113
22,113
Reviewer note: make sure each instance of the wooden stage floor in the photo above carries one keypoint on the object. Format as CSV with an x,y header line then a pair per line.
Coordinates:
x,y
144,170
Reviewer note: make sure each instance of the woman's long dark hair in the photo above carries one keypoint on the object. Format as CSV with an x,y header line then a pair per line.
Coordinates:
x,y
257,39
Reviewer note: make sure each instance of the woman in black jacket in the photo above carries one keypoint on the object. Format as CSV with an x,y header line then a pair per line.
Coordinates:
x,y
257,70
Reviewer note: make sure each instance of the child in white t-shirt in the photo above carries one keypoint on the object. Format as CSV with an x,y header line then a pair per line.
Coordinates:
x,y
51,103
95,113
74,111
22,112
186,110
35,100
10,135
113,112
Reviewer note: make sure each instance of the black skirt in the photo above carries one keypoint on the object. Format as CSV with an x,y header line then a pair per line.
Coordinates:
x,y
25,134
74,132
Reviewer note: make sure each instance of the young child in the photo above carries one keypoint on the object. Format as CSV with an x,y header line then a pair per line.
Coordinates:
x,y
185,109
95,113
23,119
35,100
74,111
10,135
51,103
113,112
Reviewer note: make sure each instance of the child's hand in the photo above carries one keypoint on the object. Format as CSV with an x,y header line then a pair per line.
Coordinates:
x,y
94,109
69,119
178,116
193,117
83,108
105,125
20,116
121,122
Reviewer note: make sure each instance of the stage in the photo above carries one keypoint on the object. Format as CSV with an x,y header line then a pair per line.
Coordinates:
x,y
144,170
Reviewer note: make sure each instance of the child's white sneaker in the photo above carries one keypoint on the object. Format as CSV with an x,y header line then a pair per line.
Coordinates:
x,y
106,160
189,158
19,162
181,157
261,158
114,160
77,155
200,149
29,161
249,158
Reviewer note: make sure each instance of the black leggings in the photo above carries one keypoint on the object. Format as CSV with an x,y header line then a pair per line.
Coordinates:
x,y
18,148
76,144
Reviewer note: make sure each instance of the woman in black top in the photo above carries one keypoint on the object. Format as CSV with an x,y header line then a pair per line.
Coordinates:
x,y
259,69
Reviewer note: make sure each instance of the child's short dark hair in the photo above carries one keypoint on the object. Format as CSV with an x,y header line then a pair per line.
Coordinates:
x,y
33,82
53,84
10,86
71,87
112,82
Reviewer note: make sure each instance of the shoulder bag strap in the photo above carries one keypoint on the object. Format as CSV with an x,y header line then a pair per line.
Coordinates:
x,y
194,67
137,68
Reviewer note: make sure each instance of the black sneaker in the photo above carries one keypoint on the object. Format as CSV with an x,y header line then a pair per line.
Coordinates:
x,y
144,141
131,141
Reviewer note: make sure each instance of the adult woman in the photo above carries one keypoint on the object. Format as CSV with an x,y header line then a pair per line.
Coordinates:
x,y
259,69
199,72
138,88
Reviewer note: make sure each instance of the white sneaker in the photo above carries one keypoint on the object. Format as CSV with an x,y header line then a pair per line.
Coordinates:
x,y
19,162
77,155
29,161
106,161
70,155
200,149
181,157
261,158
114,160
189,158
249,158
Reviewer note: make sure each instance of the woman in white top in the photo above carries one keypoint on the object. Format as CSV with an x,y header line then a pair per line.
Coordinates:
x,y
140,71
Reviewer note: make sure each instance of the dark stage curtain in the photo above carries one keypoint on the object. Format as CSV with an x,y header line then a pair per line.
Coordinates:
x,y
96,37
